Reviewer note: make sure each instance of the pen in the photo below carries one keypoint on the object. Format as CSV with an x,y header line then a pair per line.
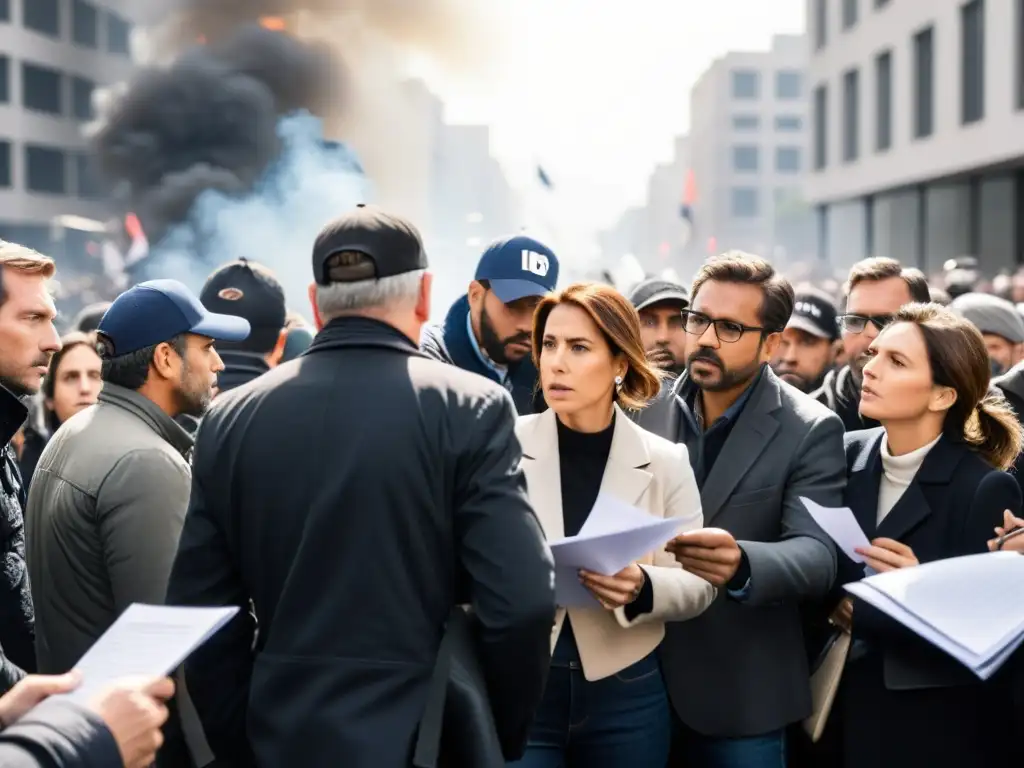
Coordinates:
x,y
1007,536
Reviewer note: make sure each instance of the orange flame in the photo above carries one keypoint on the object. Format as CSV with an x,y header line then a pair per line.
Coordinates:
x,y
133,226
275,23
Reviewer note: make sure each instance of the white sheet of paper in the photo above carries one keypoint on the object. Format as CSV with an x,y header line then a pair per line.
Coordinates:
x,y
611,515
841,526
146,641
956,605
606,548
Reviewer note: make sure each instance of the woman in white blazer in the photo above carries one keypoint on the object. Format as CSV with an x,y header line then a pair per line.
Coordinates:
x,y
605,704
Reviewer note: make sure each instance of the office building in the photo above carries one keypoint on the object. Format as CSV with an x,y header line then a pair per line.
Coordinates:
x,y
918,130
54,53
748,119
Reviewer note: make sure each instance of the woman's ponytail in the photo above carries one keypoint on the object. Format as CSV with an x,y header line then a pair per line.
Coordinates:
x,y
994,431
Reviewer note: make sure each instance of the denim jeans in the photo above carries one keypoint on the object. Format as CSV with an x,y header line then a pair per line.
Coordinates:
x,y
621,721
697,751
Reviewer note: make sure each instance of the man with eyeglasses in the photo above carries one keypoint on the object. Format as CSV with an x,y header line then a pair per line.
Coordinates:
x,y
737,675
875,291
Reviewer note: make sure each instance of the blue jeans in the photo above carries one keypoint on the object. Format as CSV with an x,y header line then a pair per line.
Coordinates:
x,y
621,721
765,751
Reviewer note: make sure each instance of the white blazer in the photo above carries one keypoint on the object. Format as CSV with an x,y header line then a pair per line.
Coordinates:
x,y
650,473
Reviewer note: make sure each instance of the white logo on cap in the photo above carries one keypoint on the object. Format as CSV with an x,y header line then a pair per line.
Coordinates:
x,y
806,308
536,263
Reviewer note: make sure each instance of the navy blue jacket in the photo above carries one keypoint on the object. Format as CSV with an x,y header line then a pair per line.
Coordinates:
x,y
450,343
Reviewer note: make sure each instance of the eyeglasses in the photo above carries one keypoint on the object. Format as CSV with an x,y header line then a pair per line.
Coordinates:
x,y
857,323
728,331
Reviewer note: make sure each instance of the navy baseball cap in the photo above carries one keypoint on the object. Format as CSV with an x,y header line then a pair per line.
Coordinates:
x,y
517,267
157,311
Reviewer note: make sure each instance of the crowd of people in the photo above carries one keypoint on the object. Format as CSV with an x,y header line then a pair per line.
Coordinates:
x,y
377,496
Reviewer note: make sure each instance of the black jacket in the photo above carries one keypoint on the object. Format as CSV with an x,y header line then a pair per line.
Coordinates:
x,y
356,495
842,396
17,619
902,701
450,343
1011,384
59,734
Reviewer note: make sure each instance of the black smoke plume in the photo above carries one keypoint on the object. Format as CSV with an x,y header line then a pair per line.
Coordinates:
x,y
208,120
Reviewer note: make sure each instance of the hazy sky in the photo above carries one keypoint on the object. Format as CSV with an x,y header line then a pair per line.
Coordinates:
x,y
595,90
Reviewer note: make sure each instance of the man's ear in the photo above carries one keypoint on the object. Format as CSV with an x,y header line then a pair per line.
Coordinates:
x,y
274,356
316,311
166,361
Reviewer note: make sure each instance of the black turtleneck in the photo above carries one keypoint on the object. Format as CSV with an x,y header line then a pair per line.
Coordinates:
x,y
582,458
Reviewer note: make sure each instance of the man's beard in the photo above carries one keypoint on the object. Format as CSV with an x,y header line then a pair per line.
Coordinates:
x,y
663,358
798,381
496,347
728,379
17,386
193,402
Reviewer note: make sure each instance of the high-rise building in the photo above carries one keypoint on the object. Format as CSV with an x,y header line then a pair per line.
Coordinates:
x,y
748,119
918,140
54,53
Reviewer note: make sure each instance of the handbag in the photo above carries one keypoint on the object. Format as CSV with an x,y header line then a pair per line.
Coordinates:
x,y
457,729
825,682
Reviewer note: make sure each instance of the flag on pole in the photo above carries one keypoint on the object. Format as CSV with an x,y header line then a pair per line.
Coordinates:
x,y
139,248
543,177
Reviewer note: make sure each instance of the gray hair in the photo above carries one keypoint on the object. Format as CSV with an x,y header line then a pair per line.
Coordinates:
x,y
387,293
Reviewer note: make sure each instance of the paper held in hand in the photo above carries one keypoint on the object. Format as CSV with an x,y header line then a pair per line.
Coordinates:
x,y
841,526
614,535
958,605
146,641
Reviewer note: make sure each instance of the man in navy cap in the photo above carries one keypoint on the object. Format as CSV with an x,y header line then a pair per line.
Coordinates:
x,y
112,486
487,331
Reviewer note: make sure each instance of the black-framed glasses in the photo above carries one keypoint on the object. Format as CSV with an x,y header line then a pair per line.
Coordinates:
x,y
857,323
696,323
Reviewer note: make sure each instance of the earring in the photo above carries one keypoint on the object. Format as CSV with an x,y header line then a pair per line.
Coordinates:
x,y
618,381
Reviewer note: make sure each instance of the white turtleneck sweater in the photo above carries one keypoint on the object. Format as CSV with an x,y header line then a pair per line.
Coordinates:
x,y
897,473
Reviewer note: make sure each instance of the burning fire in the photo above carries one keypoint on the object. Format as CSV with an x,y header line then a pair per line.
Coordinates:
x,y
275,23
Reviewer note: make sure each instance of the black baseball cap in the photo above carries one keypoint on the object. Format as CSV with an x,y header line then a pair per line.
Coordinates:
x,y
815,314
655,290
246,289
157,311
392,245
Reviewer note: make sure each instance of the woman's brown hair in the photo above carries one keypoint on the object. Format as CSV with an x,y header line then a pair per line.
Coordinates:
x,y
67,342
619,324
981,417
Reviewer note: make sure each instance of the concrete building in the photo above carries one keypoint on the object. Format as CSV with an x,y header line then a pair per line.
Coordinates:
x,y
54,52
748,128
918,145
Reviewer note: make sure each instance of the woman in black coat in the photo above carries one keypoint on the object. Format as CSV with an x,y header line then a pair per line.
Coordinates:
x,y
927,485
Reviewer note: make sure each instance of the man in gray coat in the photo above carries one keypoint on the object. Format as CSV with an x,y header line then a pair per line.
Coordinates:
x,y
738,674
111,488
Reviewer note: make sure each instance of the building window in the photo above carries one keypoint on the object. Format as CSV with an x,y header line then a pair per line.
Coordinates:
x,y
789,123
81,98
41,16
118,32
787,159
5,164
851,114
744,202
788,85
924,83
746,84
849,13
820,127
746,122
972,66
745,158
44,170
820,24
41,89
5,80
88,187
5,15
883,101
85,22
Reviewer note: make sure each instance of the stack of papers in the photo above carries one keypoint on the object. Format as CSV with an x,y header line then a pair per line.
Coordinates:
x,y
614,535
957,605
146,641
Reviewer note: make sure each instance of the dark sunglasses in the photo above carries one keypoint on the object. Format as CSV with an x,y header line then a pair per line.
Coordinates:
x,y
857,323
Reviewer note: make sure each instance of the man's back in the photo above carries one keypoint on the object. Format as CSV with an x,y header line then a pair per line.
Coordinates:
x,y
355,495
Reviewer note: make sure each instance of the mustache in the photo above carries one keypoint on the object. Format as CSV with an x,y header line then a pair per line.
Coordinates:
x,y
43,361
519,338
706,354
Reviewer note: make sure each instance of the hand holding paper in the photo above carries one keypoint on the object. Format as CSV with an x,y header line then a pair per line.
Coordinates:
x,y
841,526
710,553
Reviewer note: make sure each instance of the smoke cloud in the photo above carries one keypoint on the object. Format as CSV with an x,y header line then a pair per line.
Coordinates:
x,y
216,142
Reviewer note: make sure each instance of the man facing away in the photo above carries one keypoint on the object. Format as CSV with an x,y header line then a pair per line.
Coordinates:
x,y
354,497
28,340
488,331
737,675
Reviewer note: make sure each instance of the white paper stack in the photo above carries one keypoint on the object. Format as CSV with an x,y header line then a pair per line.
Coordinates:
x,y
614,535
958,605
